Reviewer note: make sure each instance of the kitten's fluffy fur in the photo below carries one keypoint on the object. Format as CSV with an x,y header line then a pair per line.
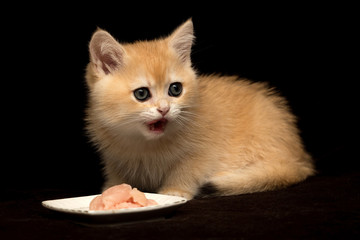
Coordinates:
x,y
236,135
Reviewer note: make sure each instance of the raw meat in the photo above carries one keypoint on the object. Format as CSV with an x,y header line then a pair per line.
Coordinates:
x,y
119,197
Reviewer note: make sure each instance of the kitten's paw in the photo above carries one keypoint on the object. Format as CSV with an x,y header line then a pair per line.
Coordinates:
x,y
177,192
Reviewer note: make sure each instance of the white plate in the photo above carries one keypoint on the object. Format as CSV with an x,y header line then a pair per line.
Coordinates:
x,y
78,208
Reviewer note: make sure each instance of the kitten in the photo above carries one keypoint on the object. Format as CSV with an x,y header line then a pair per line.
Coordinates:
x,y
162,128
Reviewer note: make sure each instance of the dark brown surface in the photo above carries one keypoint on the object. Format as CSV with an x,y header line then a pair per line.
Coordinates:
x,y
323,207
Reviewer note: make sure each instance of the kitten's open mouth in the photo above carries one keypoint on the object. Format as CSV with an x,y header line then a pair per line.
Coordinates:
x,y
157,126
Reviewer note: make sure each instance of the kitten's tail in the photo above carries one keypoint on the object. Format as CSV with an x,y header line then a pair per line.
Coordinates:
x,y
261,177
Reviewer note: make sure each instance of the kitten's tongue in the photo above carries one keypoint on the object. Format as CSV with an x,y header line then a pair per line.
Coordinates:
x,y
157,125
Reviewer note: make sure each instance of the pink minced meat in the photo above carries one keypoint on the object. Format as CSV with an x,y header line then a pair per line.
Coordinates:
x,y
119,197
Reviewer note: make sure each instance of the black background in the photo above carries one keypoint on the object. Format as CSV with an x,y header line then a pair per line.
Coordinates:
x,y
305,51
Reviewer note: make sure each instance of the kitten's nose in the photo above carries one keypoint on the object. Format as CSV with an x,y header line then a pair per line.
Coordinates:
x,y
163,110
163,107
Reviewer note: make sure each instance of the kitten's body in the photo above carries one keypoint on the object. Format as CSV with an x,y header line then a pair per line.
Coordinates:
x,y
236,135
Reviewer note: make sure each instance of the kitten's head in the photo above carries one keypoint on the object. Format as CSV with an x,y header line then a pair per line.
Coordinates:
x,y
142,89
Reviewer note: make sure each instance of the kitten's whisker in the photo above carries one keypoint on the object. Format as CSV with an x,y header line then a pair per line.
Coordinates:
x,y
126,119
187,121
189,114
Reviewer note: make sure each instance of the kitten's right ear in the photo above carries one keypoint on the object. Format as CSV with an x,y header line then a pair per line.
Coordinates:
x,y
106,54
182,39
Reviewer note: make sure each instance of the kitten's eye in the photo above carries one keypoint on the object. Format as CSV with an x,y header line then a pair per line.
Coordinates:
x,y
142,94
175,89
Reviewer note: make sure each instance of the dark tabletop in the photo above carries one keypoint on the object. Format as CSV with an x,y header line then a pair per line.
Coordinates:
x,y
323,207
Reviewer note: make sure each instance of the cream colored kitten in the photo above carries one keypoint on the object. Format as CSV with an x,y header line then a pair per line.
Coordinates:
x,y
162,128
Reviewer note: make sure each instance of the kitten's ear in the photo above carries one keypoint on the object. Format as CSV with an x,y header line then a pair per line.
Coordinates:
x,y
106,53
182,39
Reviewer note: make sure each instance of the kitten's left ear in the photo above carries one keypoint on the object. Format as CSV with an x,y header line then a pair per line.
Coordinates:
x,y
182,39
106,53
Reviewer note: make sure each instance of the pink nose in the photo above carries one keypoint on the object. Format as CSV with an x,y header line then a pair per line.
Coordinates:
x,y
163,111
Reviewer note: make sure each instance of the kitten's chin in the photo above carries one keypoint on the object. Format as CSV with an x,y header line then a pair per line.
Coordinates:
x,y
152,135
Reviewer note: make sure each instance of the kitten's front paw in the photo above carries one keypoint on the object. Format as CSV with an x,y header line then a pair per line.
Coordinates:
x,y
177,192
